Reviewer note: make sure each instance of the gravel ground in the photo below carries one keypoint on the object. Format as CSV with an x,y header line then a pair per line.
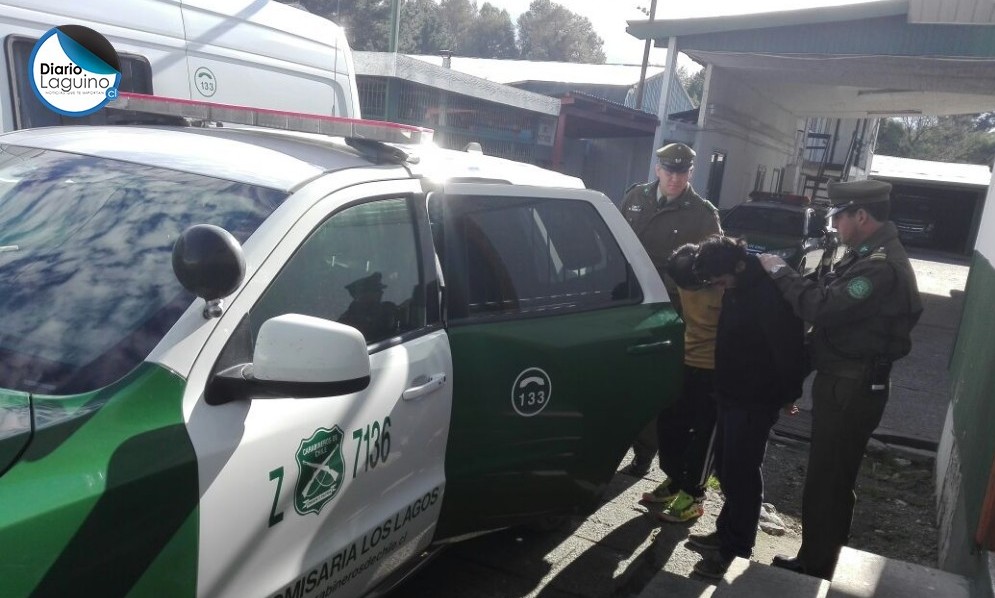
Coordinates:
x,y
895,511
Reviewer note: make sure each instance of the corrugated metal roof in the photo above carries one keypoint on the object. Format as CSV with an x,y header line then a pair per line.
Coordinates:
x,y
517,71
882,36
907,169
663,28
679,101
977,12
387,64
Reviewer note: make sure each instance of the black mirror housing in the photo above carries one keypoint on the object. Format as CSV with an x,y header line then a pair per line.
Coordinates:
x,y
208,261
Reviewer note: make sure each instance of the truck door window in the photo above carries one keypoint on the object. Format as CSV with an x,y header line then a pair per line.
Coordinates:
x,y
360,267
510,256
136,77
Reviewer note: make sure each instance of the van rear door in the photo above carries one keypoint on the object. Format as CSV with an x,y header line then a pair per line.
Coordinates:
x,y
268,55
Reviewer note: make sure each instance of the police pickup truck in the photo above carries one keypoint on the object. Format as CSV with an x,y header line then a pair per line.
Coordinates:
x,y
238,361
785,225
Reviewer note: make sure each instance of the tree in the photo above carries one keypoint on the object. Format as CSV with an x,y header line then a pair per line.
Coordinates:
x,y
548,31
457,18
421,29
492,35
962,138
694,83
366,22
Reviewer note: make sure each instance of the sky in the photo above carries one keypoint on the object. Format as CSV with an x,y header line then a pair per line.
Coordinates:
x,y
609,18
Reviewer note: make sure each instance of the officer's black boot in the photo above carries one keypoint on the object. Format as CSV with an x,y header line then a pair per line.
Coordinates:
x,y
791,564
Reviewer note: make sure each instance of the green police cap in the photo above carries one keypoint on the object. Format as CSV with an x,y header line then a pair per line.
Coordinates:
x,y
844,196
676,157
368,284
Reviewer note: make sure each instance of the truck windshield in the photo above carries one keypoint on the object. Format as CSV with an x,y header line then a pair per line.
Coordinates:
x,y
86,281
765,220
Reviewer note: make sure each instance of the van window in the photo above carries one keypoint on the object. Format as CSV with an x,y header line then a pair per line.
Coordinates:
x,y
136,77
508,256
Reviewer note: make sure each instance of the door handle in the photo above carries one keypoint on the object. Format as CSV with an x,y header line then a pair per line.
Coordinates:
x,y
657,347
434,383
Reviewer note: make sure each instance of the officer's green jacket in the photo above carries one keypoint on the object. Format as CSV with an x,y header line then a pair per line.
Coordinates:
x,y
687,218
864,310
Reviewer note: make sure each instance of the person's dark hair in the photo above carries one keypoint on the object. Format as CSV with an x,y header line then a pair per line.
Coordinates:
x,y
718,255
680,267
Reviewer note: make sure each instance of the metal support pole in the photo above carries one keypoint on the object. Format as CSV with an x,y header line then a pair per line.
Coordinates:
x,y
663,109
395,23
640,89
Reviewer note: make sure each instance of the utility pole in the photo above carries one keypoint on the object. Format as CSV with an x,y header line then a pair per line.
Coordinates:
x,y
395,23
646,58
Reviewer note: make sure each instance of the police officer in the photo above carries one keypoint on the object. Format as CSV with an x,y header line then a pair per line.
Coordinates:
x,y
665,214
862,316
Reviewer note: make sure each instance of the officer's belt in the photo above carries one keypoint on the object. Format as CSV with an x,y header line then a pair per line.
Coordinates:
x,y
854,370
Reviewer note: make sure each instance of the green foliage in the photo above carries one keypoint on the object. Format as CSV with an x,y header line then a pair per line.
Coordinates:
x,y
421,30
492,35
457,18
694,83
548,31
964,138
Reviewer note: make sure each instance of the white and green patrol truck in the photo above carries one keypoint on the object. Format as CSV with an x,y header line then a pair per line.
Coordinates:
x,y
249,362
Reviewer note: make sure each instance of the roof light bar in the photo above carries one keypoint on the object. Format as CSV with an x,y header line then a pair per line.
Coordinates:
x,y
274,119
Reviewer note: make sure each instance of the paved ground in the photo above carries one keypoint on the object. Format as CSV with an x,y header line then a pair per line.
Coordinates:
x,y
617,551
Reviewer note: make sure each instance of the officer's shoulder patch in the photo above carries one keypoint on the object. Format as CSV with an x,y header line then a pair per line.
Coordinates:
x,y
878,254
860,287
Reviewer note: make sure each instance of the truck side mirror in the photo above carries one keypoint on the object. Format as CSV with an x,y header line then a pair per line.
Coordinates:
x,y
296,356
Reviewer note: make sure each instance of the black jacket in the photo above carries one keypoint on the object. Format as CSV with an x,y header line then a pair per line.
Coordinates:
x,y
759,347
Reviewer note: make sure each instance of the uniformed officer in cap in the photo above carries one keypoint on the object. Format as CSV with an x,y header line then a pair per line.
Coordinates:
x,y
665,214
862,316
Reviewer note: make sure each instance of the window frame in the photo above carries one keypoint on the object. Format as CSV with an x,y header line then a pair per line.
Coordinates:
x,y
240,345
457,284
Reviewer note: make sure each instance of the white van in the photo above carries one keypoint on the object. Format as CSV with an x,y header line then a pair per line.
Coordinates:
x,y
248,52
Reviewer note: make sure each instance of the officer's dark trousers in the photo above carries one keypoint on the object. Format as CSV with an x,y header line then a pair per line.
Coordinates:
x,y
844,414
685,433
644,446
741,445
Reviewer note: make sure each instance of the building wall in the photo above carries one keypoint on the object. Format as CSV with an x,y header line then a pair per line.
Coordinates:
x,y
967,447
749,129
612,165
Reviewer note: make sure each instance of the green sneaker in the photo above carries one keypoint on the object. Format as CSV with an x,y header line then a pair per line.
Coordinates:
x,y
682,508
660,494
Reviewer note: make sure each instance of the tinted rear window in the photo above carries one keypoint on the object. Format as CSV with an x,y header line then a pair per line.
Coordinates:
x,y
765,220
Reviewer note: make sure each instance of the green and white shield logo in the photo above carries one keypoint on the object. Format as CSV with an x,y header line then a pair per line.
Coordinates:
x,y
319,460
860,288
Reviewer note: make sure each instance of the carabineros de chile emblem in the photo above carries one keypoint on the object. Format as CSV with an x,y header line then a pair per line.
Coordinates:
x,y
319,459
859,288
